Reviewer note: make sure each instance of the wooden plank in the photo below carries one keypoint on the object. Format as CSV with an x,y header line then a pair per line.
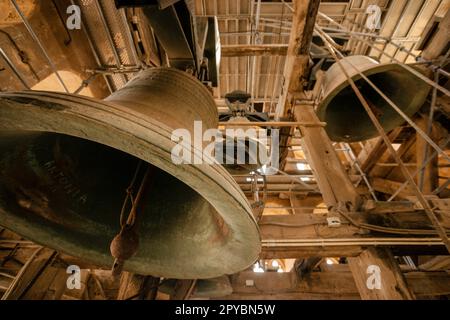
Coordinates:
x,y
29,273
392,283
49,285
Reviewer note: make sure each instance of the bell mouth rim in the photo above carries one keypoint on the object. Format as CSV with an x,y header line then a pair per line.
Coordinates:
x,y
368,71
146,139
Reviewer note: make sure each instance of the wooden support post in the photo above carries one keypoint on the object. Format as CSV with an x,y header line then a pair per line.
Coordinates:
x,y
378,276
430,172
137,287
183,289
336,282
297,60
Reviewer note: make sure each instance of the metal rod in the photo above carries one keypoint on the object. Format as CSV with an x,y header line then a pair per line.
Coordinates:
x,y
408,68
413,71
442,187
108,36
417,171
93,50
123,16
431,216
393,105
38,42
110,71
361,172
14,69
430,122
402,48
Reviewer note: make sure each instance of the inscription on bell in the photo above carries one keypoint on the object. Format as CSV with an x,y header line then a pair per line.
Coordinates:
x,y
62,182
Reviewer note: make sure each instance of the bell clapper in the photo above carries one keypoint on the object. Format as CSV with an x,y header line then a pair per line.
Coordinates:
x,y
125,244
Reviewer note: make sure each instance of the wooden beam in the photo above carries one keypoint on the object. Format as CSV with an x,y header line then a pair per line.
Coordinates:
x,y
335,283
375,151
254,50
439,42
332,179
390,187
273,285
436,263
406,152
297,60
392,283
308,235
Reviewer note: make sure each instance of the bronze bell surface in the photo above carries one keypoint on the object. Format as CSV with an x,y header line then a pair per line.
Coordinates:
x,y
340,108
66,162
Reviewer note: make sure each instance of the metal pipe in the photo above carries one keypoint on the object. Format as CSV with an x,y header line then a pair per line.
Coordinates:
x,y
14,69
351,242
38,42
298,180
273,124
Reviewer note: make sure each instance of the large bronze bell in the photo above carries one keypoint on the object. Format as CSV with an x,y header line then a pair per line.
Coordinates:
x,y
66,162
340,108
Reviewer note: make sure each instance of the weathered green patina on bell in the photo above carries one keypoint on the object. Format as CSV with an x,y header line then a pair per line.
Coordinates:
x,y
340,108
66,162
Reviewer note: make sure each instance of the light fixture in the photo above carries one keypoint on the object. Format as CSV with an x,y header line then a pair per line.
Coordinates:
x,y
257,268
302,166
